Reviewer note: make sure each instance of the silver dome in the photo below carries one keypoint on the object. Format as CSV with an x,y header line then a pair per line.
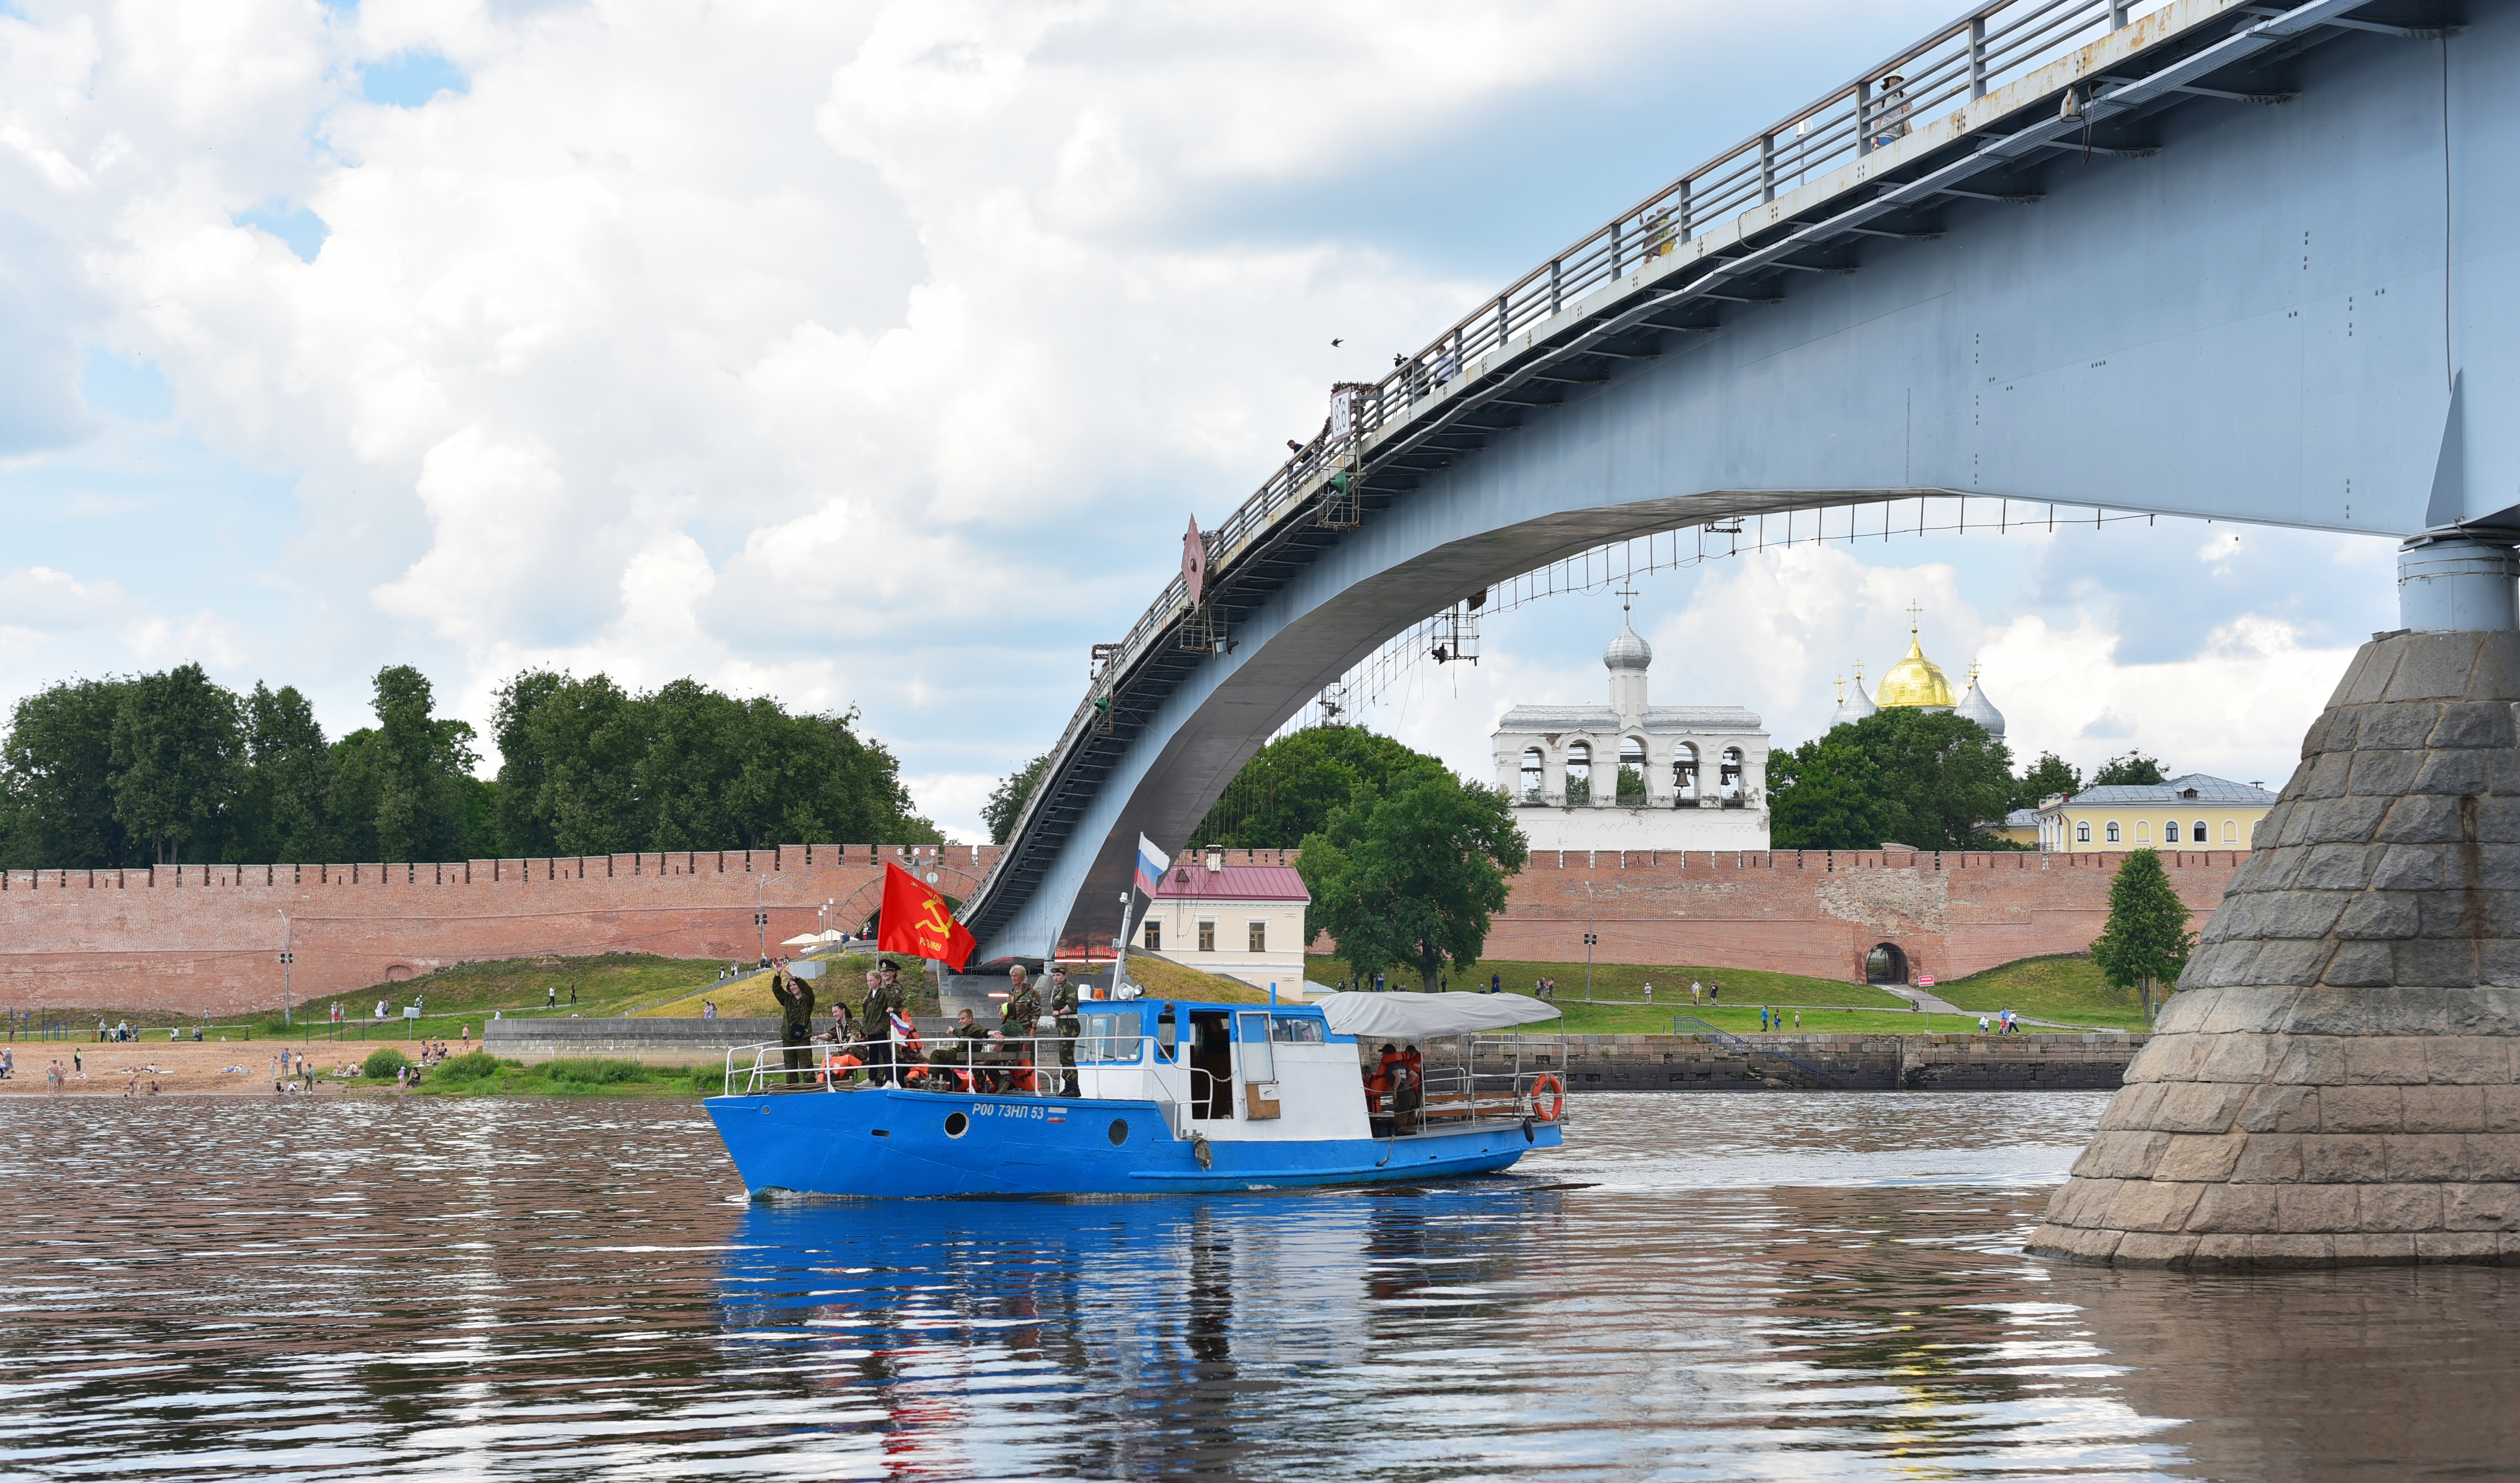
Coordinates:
x,y
1627,652
1974,706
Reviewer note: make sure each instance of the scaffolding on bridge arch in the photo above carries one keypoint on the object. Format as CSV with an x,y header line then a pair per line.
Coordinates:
x,y
1396,664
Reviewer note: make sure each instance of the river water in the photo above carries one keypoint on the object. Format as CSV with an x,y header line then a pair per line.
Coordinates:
x,y
1702,1286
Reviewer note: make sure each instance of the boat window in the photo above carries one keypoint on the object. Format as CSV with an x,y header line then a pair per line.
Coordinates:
x,y
1166,1032
1259,1058
1295,1030
1117,1036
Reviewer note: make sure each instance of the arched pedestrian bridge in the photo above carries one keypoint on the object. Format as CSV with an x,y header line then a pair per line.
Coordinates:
x,y
2246,261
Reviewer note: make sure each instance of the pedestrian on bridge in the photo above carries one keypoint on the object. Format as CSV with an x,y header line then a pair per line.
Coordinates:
x,y
1890,111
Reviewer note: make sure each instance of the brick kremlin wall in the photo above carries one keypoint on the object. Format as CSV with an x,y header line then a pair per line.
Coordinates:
x,y
1820,911
208,938
198,939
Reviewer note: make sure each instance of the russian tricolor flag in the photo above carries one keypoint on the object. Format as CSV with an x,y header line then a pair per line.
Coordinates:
x,y
1151,865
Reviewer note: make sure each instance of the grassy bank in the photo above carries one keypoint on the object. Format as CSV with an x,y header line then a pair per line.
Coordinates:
x,y
480,1074
1625,982
2066,987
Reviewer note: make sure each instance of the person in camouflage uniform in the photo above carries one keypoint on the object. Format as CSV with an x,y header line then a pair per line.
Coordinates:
x,y
1062,1005
1023,1009
877,1021
961,1049
796,1017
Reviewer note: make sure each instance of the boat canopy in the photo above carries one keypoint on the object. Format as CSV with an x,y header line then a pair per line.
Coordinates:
x,y
1425,1016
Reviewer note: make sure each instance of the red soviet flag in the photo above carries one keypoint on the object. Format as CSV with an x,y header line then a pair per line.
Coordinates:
x,y
915,922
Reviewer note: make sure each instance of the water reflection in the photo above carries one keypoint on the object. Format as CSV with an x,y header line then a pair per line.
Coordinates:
x,y
1703,1287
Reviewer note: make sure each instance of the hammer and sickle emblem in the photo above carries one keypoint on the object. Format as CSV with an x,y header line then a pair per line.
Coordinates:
x,y
936,921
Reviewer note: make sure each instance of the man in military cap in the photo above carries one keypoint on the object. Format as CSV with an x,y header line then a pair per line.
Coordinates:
x,y
1023,1009
1062,1005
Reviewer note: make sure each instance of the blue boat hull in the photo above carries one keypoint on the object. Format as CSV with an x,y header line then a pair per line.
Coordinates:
x,y
890,1144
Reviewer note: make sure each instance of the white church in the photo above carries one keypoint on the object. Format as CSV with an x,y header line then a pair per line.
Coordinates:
x,y
1633,775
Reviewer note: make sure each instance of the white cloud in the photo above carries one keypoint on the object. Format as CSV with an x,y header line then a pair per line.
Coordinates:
x,y
862,354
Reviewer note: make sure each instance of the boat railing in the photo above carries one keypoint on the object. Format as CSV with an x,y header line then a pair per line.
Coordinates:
x,y
1455,1097
1448,1095
825,1065
1019,1063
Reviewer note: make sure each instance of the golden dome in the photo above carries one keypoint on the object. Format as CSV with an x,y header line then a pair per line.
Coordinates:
x,y
1914,681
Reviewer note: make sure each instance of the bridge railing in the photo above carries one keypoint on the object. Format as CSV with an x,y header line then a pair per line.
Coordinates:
x,y
1990,46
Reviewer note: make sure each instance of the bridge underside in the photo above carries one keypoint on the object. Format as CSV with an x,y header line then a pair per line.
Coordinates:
x,y
2304,314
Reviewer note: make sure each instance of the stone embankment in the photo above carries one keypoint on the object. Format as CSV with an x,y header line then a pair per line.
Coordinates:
x,y
2071,1063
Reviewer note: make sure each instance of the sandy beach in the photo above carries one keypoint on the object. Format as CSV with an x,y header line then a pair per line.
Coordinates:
x,y
179,1069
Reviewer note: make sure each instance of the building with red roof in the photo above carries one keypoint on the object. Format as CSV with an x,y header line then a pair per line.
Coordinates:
x,y
1238,913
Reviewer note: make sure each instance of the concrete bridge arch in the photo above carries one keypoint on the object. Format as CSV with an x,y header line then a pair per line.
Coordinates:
x,y
2129,276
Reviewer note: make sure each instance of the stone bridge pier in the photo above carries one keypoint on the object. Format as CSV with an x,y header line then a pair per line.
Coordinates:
x,y
2334,1083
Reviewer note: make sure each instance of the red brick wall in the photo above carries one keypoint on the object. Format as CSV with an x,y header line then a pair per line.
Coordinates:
x,y
1820,912
208,938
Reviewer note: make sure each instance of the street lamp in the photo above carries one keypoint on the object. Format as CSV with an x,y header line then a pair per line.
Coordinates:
x,y
761,928
1589,940
287,941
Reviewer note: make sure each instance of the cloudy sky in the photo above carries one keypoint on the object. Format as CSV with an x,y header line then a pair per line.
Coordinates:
x,y
873,356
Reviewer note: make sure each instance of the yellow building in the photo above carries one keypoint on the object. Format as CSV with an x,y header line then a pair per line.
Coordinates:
x,y
2192,813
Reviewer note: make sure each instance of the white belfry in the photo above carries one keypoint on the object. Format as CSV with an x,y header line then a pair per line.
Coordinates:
x,y
1632,775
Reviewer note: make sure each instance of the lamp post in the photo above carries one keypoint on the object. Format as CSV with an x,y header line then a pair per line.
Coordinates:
x,y
1589,940
761,929
287,957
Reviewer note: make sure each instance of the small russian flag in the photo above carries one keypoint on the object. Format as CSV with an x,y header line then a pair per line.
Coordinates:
x,y
1151,865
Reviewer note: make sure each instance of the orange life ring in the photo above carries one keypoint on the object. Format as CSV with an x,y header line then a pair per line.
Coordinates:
x,y
1556,1089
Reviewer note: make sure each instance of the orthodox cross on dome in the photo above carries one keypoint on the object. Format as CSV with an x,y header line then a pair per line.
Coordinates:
x,y
1627,594
1912,611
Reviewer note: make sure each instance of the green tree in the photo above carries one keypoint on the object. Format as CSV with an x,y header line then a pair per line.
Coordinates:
x,y
566,750
402,788
2050,776
589,768
178,761
1411,878
57,797
288,780
1007,800
1826,794
1944,781
2146,941
1937,781
1290,788
2135,769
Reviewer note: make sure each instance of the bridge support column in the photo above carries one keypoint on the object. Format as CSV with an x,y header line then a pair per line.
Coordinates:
x,y
2337,1082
